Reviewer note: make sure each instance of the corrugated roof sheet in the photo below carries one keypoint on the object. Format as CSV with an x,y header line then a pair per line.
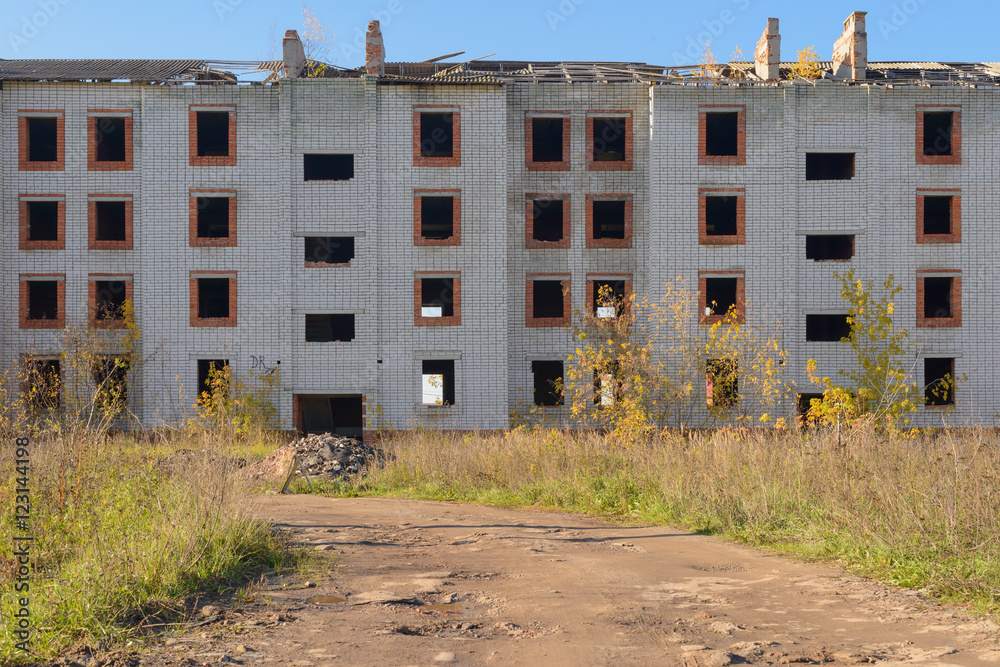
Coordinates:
x,y
132,70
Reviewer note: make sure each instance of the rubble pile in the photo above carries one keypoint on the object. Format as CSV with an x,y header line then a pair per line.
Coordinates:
x,y
323,456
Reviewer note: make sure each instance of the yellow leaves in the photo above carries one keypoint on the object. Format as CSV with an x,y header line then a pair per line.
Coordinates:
x,y
807,65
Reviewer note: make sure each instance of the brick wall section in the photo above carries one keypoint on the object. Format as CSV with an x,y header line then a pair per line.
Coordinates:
x,y
196,241
23,163
529,160
741,135
212,321
92,242
60,321
609,243
456,217
956,134
454,320
92,280
93,123
24,243
956,299
592,165
456,129
703,277
530,320
529,225
210,160
956,216
595,277
730,239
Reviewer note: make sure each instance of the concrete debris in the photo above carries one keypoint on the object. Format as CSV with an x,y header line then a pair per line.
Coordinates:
x,y
323,456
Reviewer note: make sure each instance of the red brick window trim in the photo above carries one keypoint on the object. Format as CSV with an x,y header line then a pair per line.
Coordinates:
x,y
704,307
602,146
211,160
605,242
955,211
530,319
594,278
197,321
456,217
955,157
24,308
454,297
94,281
24,161
94,202
197,202
455,160
30,206
954,299
101,125
529,141
703,122
536,206
704,238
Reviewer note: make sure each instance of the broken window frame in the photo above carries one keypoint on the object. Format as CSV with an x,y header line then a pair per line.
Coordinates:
x,y
433,371
26,204
456,217
954,235
25,163
703,128
197,160
821,169
531,164
737,238
940,392
332,328
595,164
195,297
97,124
93,226
421,160
548,390
100,317
819,254
319,251
954,297
346,171
198,203
603,242
706,311
818,326
537,201
567,308
25,298
622,303
955,156
452,299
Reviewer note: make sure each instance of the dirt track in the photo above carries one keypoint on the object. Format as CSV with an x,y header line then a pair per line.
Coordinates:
x,y
494,586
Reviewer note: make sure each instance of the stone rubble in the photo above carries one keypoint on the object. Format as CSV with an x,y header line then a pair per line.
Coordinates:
x,y
323,456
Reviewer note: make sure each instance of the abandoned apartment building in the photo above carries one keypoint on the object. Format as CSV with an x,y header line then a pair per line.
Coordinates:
x,y
410,239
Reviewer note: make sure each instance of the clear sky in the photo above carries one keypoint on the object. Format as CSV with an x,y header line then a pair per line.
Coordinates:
x,y
661,33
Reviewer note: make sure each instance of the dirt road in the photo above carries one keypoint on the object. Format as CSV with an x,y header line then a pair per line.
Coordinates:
x,y
437,583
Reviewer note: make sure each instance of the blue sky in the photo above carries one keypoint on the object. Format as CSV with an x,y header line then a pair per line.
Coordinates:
x,y
661,33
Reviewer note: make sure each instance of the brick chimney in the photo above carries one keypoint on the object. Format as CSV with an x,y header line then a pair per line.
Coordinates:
x,y
374,50
850,52
292,53
767,55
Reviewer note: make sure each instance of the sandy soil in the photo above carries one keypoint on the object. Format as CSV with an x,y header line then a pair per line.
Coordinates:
x,y
420,583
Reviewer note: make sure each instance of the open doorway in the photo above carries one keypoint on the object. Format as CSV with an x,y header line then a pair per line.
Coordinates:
x,y
341,415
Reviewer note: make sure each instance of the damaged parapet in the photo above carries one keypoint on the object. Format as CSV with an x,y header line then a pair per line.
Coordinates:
x,y
850,52
767,55
293,54
374,50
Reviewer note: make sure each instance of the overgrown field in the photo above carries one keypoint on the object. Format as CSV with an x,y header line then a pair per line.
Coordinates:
x,y
921,512
116,544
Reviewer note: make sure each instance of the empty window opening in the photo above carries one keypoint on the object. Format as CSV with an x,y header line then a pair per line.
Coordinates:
x,y
720,216
547,299
720,295
110,299
213,297
804,404
213,217
437,297
609,139
436,135
43,139
213,377
939,381
721,133
213,133
437,217
721,383
111,140
937,297
337,415
829,166
43,299
329,328
329,249
328,167
43,220
547,139
110,218
438,382
607,385
937,132
110,376
609,298
827,328
937,215
829,247
609,219
548,382
548,220
42,383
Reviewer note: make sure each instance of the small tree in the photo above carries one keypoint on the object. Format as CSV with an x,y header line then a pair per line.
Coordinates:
x,y
316,44
807,66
